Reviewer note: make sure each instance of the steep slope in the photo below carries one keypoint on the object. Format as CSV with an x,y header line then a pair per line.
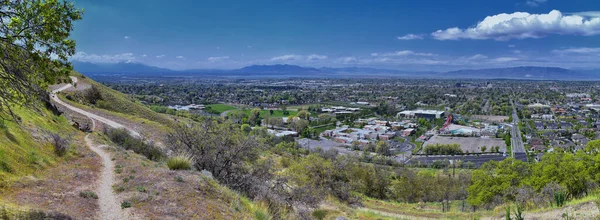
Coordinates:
x,y
26,147
100,100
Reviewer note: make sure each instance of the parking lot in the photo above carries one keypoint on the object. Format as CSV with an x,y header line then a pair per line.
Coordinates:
x,y
471,144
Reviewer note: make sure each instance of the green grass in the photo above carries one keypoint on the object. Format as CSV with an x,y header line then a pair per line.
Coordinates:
x,y
180,162
220,108
21,150
263,113
322,129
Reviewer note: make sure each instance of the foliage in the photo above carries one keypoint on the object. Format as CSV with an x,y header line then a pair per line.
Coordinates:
x,y
61,145
180,162
34,33
443,149
125,204
88,194
122,138
560,198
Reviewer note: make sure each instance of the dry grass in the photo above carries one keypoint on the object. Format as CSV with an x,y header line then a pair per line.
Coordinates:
x,y
155,192
182,161
57,189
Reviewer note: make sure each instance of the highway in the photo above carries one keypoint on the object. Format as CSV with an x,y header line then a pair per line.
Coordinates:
x,y
518,148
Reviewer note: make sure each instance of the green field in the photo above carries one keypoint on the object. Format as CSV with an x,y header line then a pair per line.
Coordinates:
x,y
323,128
220,108
276,113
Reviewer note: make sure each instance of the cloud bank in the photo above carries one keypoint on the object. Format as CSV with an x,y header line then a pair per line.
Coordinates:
x,y
521,25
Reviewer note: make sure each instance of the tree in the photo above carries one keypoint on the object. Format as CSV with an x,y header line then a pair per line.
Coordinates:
x,y
483,149
383,148
246,128
303,115
34,48
254,118
299,125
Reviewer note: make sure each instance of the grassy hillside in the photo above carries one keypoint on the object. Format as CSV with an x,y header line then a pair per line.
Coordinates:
x,y
90,92
26,147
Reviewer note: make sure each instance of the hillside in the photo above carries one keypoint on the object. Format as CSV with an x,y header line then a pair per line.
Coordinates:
x,y
32,172
26,147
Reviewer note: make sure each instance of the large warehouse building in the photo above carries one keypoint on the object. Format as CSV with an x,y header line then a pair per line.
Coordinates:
x,y
420,113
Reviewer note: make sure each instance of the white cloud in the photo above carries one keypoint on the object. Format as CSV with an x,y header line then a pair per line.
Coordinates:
x,y
411,37
299,58
144,55
535,3
505,59
511,45
249,46
587,13
126,37
288,57
579,50
403,53
477,57
521,25
160,56
106,58
217,59
180,57
316,57
348,59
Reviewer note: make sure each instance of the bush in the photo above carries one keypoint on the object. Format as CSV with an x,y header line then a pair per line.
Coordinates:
x,y
88,194
61,145
125,204
122,138
180,162
560,198
179,179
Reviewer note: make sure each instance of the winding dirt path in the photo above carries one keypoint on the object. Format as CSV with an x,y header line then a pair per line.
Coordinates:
x,y
109,204
90,115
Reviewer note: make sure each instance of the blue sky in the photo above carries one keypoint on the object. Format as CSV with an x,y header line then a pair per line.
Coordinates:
x,y
410,35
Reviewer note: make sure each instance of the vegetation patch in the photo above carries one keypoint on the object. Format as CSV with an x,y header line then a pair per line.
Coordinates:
x,y
180,162
88,195
122,138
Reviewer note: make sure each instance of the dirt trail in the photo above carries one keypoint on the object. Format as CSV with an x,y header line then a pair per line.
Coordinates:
x,y
109,204
90,115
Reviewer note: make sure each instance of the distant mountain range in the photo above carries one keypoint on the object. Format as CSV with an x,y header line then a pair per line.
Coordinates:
x,y
285,70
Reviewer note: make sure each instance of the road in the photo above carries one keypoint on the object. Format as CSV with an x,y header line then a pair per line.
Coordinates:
x,y
90,115
477,160
518,148
224,114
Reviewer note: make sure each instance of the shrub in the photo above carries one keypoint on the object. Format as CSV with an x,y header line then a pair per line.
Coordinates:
x,y
179,179
88,194
122,138
560,198
319,214
180,162
61,145
125,204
